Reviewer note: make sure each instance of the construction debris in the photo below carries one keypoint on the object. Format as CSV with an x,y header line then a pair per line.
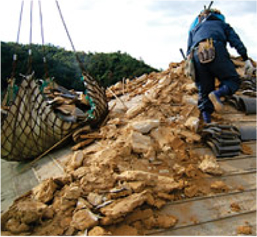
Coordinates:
x,y
144,157
210,165
219,186
244,230
235,207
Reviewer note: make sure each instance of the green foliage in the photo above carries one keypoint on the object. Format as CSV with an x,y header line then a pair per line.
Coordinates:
x,y
107,68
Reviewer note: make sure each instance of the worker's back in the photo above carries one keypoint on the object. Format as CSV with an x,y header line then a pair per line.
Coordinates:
x,y
212,27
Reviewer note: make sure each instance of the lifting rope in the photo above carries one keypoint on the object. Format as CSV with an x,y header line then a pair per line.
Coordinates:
x,y
31,126
89,83
20,19
31,21
12,88
30,39
68,34
43,40
42,37
65,26
29,71
15,57
14,64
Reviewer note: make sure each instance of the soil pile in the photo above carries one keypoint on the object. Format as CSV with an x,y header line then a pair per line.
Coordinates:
x,y
142,158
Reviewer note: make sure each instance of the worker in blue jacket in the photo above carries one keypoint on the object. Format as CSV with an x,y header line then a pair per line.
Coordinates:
x,y
208,36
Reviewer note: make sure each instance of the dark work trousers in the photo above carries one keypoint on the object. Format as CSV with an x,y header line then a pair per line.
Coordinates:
x,y
221,68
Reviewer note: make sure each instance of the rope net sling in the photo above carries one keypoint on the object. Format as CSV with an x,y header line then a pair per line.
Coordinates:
x,y
31,126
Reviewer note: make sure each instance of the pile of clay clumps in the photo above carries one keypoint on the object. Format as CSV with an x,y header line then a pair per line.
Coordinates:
x,y
141,159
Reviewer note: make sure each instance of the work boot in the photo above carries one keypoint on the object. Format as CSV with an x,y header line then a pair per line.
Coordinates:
x,y
206,117
215,97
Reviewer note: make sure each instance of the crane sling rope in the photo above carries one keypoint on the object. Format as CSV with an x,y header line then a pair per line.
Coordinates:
x,y
31,126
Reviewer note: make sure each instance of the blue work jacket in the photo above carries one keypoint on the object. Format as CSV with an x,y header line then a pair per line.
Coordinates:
x,y
214,26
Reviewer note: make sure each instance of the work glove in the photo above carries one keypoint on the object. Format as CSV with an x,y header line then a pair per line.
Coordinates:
x,y
248,68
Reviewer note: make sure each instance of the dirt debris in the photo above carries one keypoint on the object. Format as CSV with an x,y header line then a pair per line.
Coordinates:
x,y
124,230
145,126
139,215
161,221
121,207
219,186
44,192
76,159
140,143
99,231
235,207
246,149
191,191
143,158
244,230
210,165
83,219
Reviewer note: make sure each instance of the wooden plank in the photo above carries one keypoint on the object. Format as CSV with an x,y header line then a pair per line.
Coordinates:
x,y
8,192
51,165
61,151
237,165
61,155
46,168
221,227
246,180
14,184
208,209
7,168
7,197
24,182
202,215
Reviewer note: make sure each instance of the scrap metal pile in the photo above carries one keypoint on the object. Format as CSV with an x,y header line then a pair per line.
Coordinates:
x,y
143,158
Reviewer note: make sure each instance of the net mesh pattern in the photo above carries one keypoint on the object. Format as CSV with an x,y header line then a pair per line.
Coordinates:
x,y
31,126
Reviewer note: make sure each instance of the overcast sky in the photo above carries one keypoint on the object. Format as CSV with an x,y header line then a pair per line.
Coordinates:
x,y
151,30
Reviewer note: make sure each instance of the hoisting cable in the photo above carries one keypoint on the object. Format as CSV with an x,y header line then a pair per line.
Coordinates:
x,y
19,26
67,32
84,72
65,26
12,88
30,38
14,64
43,40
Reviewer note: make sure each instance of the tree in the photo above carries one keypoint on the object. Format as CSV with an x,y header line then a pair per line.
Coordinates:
x,y
107,68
